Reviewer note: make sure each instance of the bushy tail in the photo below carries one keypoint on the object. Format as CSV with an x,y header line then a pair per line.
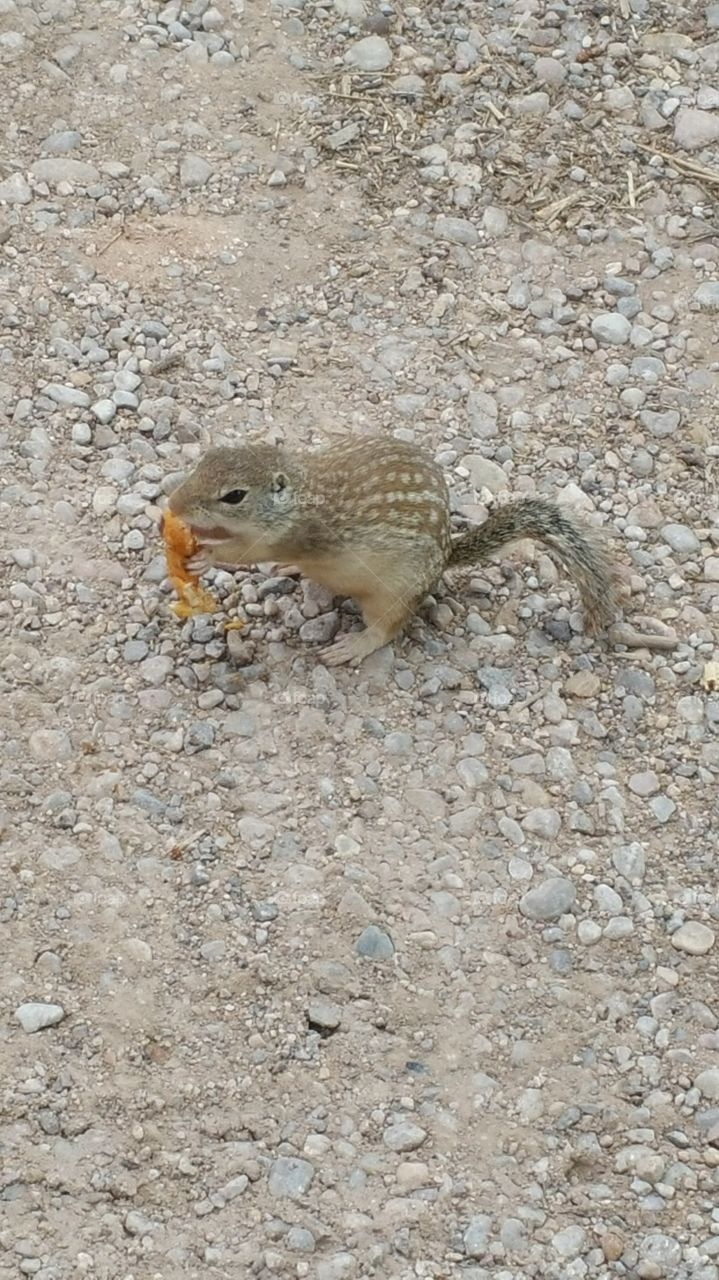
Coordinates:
x,y
579,547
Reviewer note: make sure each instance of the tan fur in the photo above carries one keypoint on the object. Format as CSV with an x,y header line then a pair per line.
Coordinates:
x,y
369,519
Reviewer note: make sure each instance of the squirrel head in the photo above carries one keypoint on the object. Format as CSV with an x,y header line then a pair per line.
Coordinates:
x,y
245,491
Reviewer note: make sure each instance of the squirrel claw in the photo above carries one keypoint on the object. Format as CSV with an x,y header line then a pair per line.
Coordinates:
x,y
199,563
341,651
286,571
353,647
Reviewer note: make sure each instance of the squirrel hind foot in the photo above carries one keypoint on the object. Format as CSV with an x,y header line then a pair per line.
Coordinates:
x,y
353,647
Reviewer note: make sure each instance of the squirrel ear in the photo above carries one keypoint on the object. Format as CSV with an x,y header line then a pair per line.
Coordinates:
x,y
279,482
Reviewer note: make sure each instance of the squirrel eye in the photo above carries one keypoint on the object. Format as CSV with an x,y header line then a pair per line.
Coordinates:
x,y
234,497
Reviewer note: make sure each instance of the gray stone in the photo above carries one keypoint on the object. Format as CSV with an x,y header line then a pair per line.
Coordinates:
x,y
15,190
694,938
126,380
322,1013
611,328
569,1242
196,54
62,169
530,104
37,1016
549,900
619,287
321,629
707,1082
629,862
543,823
660,424
404,1136
619,98
663,1251
495,221
290,1177
649,368
645,783
619,927
607,900
300,1240
68,397
694,129
476,1236
138,1224
374,943
342,137
104,411
200,736
681,539
50,744
642,1160
456,230
134,651
408,86
338,1266
708,97
485,474
370,54
662,807
194,171
212,19
707,295
550,71
519,295
122,399
61,143
156,669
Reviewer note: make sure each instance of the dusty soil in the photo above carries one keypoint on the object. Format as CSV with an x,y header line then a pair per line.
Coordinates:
x,y
408,971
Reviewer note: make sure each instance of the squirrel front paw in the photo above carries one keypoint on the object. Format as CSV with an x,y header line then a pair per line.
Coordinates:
x,y
199,563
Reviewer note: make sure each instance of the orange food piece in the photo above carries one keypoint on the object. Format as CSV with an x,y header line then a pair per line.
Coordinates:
x,y
180,545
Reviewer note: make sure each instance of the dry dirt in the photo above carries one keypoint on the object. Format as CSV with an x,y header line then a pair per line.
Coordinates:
x,y
308,1018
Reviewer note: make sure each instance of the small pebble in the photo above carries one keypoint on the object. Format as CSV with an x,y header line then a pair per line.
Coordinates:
x,y
548,901
375,944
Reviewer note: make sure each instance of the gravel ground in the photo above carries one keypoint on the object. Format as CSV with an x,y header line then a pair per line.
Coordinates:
x,y
411,971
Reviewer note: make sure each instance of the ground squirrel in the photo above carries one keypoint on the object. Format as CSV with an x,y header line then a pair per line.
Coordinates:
x,y
369,519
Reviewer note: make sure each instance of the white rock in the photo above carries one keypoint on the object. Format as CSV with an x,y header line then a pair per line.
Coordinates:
x,y
194,171
485,474
707,295
694,129
404,1136
290,1177
66,396
612,328
549,900
35,1016
495,221
530,104
476,1237
104,411
456,230
62,169
707,1082
15,190
694,938
371,54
